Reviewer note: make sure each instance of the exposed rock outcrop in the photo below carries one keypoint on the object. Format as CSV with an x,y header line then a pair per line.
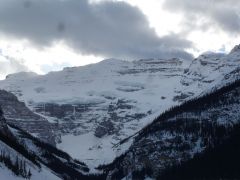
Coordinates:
x,y
18,114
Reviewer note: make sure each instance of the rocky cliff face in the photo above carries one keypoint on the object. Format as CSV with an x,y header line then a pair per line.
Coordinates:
x,y
201,68
211,69
18,114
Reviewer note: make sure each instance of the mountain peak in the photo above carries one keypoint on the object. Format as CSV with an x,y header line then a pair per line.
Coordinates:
x,y
236,49
21,75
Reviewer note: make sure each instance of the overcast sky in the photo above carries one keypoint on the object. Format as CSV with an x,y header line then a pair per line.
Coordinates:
x,y
45,35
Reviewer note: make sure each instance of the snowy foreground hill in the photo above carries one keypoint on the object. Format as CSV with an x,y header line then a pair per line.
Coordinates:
x,y
91,109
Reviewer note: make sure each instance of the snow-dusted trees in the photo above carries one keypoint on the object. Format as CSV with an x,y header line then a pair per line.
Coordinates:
x,y
18,167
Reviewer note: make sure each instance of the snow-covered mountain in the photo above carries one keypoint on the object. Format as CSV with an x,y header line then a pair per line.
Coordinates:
x,y
96,106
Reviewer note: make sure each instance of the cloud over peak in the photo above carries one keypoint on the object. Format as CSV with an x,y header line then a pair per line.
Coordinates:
x,y
204,14
109,29
10,65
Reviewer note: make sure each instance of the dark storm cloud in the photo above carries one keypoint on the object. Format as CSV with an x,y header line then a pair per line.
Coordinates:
x,y
110,29
203,14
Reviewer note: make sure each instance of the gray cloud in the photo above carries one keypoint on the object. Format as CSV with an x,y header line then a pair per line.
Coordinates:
x,y
223,14
10,65
110,29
